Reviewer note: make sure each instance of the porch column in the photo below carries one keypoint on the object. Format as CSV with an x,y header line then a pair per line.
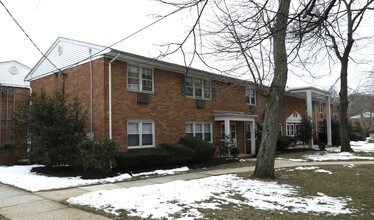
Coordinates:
x,y
253,138
227,128
328,121
309,108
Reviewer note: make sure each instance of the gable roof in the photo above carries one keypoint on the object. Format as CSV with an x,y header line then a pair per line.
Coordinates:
x,y
63,54
12,73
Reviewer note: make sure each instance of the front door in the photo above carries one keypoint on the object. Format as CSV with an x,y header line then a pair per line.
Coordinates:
x,y
232,131
248,138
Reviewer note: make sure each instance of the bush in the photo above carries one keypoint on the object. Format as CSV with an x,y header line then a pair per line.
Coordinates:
x,y
56,127
99,155
138,159
322,146
357,137
181,153
7,146
283,142
203,150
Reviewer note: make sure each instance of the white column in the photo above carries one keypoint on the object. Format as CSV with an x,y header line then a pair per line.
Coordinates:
x,y
227,127
309,108
328,121
253,138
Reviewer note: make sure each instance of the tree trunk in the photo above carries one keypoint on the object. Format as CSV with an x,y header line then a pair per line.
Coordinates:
x,y
266,155
343,115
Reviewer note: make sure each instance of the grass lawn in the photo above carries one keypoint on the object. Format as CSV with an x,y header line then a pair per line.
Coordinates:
x,y
355,182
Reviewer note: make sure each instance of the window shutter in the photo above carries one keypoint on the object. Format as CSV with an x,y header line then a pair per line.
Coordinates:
x,y
183,85
213,90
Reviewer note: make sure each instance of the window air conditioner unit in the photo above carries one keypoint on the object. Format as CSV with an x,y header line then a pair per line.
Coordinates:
x,y
200,104
142,98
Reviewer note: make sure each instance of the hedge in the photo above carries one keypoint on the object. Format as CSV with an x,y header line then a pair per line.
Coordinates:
x,y
203,150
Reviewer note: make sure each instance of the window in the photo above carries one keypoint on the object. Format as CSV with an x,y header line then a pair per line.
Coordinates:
x,y
139,79
232,130
292,129
250,96
334,109
140,134
320,107
198,88
202,130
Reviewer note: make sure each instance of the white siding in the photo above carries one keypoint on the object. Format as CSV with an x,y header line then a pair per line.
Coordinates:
x,y
65,53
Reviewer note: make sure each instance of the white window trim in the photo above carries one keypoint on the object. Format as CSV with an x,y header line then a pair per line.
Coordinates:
x,y
249,103
203,123
236,131
203,89
294,129
140,122
320,107
140,79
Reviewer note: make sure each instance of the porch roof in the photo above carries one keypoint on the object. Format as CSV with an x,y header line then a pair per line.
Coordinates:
x,y
233,116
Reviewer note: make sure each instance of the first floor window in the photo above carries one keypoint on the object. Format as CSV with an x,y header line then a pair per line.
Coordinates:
x,y
292,129
201,130
321,107
140,133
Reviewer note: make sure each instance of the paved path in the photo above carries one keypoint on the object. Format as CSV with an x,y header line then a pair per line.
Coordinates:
x,y
19,204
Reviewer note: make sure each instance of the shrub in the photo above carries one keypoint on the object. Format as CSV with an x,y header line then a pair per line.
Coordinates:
x,y
357,137
203,150
99,155
305,130
322,146
137,159
181,153
7,146
56,127
283,142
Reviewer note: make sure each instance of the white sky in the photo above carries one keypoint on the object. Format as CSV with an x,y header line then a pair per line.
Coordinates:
x,y
106,22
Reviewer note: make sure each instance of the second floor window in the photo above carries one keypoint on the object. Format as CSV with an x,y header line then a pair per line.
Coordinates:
x,y
139,79
250,96
198,88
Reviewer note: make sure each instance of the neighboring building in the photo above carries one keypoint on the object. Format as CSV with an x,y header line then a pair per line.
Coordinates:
x,y
141,102
13,89
365,121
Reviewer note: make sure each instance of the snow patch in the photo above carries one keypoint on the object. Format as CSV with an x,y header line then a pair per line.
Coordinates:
x,y
156,201
335,156
22,177
323,171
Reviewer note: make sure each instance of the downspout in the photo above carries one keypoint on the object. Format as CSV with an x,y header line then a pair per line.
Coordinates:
x,y
14,113
110,96
28,132
91,112
1,112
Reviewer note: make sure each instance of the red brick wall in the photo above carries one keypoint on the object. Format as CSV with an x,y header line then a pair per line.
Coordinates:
x,y
167,107
10,133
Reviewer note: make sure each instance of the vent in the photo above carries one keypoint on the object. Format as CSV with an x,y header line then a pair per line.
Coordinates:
x,y
200,103
13,70
60,50
142,98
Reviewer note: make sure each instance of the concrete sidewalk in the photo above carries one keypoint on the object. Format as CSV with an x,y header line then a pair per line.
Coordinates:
x,y
19,204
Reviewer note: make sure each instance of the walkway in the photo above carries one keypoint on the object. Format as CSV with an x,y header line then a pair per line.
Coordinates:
x,y
19,204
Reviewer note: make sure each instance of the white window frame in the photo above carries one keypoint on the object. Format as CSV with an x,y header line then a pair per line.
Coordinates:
x,y
206,88
140,133
250,97
231,130
334,109
140,75
320,107
202,123
292,129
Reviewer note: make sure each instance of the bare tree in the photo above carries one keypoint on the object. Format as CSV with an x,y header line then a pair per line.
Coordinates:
x,y
337,33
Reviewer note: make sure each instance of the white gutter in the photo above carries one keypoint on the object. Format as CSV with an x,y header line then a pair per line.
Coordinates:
x,y
110,96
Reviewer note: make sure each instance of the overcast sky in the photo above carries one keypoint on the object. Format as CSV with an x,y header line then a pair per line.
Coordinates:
x,y
106,22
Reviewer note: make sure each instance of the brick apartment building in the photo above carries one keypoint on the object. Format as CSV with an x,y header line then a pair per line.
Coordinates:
x,y
13,89
141,102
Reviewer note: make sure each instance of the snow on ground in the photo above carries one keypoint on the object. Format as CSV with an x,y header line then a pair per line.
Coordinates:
x,y
316,169
156,201
335,156
22,177
333,153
